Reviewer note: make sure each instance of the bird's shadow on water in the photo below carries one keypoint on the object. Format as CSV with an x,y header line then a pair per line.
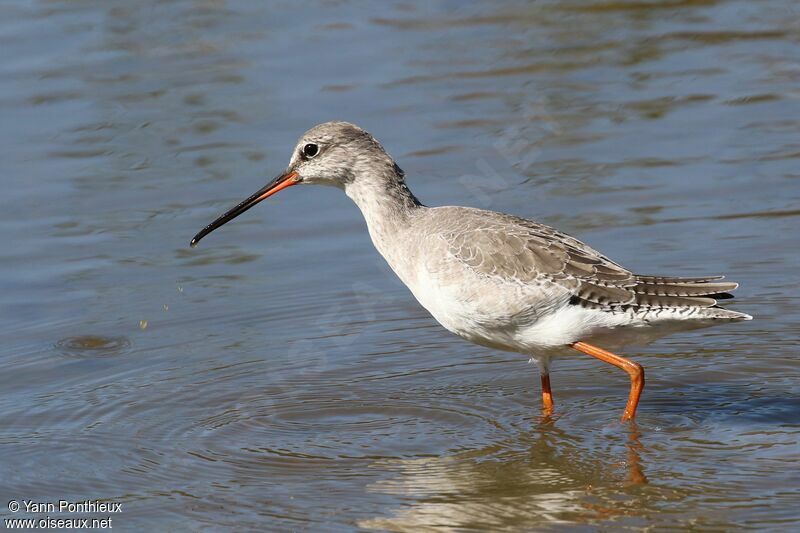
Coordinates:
x,y
726,402
723,405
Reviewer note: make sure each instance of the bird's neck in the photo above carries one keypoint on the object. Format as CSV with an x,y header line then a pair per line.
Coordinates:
x,y
386,203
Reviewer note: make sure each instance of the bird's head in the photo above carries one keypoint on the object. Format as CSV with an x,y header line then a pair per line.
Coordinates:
x,y
333,153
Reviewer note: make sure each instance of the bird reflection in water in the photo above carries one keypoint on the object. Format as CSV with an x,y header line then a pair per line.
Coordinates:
x,y
543,476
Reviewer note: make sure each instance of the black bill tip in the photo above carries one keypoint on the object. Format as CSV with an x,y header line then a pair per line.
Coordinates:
x,y
283,181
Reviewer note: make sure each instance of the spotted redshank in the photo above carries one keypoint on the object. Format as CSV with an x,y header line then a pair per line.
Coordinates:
x,y
498,280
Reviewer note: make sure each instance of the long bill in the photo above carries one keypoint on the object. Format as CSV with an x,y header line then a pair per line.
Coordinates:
x,y
278,184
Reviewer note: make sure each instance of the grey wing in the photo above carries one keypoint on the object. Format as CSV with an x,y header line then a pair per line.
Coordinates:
x,y
524,251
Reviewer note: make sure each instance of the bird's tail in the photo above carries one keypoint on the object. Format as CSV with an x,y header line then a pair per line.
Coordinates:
x,y
698,296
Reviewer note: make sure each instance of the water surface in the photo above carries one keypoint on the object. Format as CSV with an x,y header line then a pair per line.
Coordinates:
x,y
278,376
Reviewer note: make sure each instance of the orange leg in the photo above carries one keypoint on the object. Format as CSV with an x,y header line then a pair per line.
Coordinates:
x,y
547,395
635,370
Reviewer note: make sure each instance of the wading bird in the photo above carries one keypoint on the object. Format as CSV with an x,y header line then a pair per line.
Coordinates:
x,y
498,280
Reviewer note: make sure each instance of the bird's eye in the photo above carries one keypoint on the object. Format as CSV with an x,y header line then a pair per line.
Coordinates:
x,y
310,150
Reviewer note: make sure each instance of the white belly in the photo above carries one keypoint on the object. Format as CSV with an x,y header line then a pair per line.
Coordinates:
x,y
546,330
512,318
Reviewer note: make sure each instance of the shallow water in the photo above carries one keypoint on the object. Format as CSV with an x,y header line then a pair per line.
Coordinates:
x,y
279,376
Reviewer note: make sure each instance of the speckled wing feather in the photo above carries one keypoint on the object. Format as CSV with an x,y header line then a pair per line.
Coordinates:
x,y
524,251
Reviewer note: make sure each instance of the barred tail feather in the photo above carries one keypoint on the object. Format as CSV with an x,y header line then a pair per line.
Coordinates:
x,y
698,296
724,314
